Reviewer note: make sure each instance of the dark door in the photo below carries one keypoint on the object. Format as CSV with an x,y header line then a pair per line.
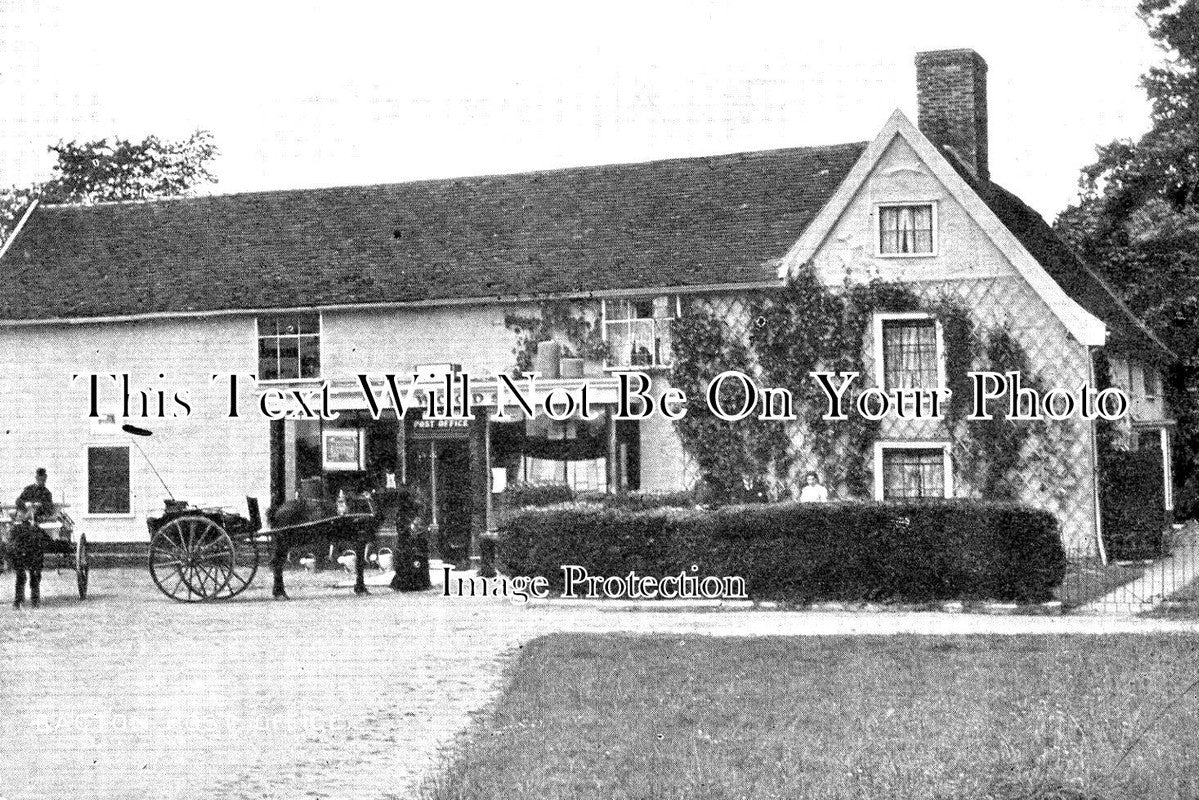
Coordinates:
x,y
454,501
1132,500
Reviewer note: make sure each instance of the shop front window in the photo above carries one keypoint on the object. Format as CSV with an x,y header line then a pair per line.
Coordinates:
x,y
585,475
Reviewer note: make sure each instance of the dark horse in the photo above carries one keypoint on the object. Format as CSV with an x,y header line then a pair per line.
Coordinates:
x,y
300,522
26,553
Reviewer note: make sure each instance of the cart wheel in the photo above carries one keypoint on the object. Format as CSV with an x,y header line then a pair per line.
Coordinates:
x,y
82,567
192,559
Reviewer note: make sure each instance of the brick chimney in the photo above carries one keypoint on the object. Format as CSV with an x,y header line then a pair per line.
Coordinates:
x,y
951,100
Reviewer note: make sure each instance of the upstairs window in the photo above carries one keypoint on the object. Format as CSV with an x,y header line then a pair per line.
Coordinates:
x,y
638,331
907,230
908,350
1153,383
289,347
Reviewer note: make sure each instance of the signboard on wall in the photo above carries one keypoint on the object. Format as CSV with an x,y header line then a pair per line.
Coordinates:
x,y
343,449
441,429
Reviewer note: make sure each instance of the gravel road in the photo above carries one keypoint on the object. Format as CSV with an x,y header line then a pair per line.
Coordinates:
x,y
131,695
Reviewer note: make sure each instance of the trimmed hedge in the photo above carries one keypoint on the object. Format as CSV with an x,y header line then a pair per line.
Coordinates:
x,y
638,501
519,495
523,495
914,552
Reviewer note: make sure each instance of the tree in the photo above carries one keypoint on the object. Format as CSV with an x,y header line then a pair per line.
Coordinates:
x,y
13,202
1137,219
118,169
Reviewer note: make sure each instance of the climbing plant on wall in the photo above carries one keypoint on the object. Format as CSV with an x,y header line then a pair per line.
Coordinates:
x,y
778,337
806,326
575,322
705,347
995,446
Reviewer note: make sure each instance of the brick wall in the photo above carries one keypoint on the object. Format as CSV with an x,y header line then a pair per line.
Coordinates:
x,y
951,99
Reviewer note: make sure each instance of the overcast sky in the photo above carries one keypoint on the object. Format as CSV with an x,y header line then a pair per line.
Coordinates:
x,y
317,94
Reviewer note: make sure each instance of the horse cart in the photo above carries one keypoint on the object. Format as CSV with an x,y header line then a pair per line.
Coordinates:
x,y
203,553
199,554
56,533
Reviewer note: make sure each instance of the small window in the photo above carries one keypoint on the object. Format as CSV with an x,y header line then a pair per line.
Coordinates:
x,y
906,230
108,480
910,353
1153,382
289,347
912,472
638,332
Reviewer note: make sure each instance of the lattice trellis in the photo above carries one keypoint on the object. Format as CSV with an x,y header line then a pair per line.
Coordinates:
x,y
1056,467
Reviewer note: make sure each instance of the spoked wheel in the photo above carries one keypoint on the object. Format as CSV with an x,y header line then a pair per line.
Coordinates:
x,y
192,559
245,565
82,569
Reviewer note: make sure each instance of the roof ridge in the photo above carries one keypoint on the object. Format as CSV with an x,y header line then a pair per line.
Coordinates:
x,y
740,154
691,222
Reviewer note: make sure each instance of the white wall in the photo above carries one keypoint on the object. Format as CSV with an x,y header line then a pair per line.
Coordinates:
x,y
204,457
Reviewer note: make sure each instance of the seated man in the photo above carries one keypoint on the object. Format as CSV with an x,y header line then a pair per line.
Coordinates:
x,y
37,492
750,490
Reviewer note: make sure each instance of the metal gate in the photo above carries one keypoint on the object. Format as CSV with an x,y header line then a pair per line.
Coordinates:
x,y
1167,584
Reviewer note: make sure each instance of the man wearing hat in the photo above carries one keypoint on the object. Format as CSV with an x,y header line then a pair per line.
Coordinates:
x,y
37,492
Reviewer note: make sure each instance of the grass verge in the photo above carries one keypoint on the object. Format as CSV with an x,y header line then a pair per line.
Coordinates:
x,y
590,716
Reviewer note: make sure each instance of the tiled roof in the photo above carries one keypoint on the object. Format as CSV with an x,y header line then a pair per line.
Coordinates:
x,y
682,222
716,220
1126,331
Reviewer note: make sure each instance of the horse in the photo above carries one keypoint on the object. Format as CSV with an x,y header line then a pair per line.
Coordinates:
x,y
26,554
300,522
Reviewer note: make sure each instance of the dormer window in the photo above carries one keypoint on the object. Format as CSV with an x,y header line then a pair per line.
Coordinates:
x,y
907,229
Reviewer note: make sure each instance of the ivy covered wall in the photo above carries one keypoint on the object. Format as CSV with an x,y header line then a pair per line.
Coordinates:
x,y
780,336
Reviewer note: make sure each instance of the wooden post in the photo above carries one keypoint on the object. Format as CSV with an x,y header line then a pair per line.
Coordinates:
x,y
477,445
402,451
289,459
489,522
433,527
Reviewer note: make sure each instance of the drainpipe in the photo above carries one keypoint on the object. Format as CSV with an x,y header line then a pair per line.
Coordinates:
x,y
1095,460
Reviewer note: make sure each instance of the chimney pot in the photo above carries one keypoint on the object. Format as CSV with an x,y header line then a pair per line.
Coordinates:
x,y
951,101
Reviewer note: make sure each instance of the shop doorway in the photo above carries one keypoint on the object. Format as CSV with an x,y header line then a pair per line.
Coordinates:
x,y
454,501
440,464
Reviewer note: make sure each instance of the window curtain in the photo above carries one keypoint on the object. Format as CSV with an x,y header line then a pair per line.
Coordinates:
x,y
907,229
905,224
588,475
913,474
910,354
